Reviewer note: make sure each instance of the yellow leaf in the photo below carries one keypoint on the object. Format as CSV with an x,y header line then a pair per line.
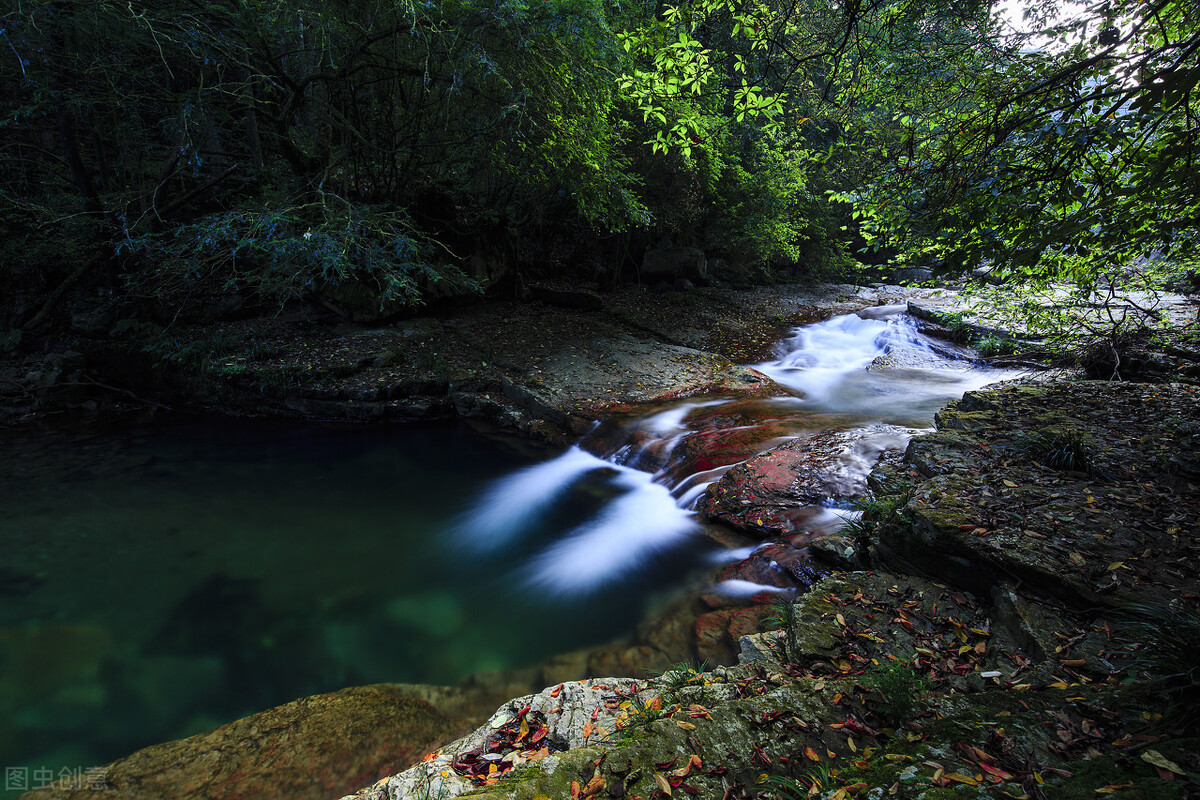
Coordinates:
x,y
958,777
1159,760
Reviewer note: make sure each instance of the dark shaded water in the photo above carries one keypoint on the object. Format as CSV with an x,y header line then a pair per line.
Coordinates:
x,y
161,580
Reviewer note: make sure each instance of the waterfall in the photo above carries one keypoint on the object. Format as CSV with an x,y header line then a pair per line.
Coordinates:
x,y
872,375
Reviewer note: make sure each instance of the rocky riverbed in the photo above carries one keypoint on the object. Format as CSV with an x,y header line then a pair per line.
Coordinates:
x,y
972,634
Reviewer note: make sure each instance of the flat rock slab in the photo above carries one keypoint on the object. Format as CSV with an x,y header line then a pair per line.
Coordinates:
x,y
546,369
1088,490
314,748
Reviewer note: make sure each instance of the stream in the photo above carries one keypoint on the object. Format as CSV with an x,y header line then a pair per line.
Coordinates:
x,y
164,578
873,376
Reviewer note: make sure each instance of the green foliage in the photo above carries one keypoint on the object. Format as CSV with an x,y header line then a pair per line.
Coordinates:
x,y
1060,449
877,513
682,675
1092,321
817,780
640,717
899,687
1168,656
993,345
320,249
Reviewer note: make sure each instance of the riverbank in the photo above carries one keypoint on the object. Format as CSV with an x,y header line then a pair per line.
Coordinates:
x,y
544,368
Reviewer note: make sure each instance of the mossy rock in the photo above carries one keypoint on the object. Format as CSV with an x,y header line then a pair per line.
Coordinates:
x,y
316,747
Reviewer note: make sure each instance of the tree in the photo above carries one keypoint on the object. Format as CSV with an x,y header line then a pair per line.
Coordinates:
x,y
957,142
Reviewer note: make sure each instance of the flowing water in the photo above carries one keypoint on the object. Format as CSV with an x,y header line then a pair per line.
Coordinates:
x,y
160,580
873,376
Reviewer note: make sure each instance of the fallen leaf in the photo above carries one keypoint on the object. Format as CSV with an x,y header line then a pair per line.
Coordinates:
x,y
1157,759
694,762
958,777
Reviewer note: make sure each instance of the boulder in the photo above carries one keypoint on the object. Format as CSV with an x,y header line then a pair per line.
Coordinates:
x,y
316,748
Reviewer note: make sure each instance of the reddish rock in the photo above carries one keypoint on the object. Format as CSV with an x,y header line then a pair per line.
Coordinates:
x,y
717,632
784,564
780,492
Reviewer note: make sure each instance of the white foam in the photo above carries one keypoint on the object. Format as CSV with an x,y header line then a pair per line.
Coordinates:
x,y
514,502
740,588
630,530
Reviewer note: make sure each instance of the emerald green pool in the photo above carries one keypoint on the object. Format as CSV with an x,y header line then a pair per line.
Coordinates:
x,y
160,579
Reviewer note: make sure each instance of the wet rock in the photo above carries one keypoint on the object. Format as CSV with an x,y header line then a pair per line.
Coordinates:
x,y
718,632
317,747
839,552
780,491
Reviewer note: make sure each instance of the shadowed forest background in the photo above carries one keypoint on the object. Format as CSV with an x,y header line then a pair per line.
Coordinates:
x,y
370,155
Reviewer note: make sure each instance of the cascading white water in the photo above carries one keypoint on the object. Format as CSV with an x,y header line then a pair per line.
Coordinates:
x,y
858,371
873,367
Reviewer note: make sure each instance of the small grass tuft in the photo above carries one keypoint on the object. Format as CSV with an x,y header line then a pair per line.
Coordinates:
x,y
1168,656
1065,450
900,688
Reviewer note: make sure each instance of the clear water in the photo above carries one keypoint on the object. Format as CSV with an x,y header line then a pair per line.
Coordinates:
x,y
160,580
